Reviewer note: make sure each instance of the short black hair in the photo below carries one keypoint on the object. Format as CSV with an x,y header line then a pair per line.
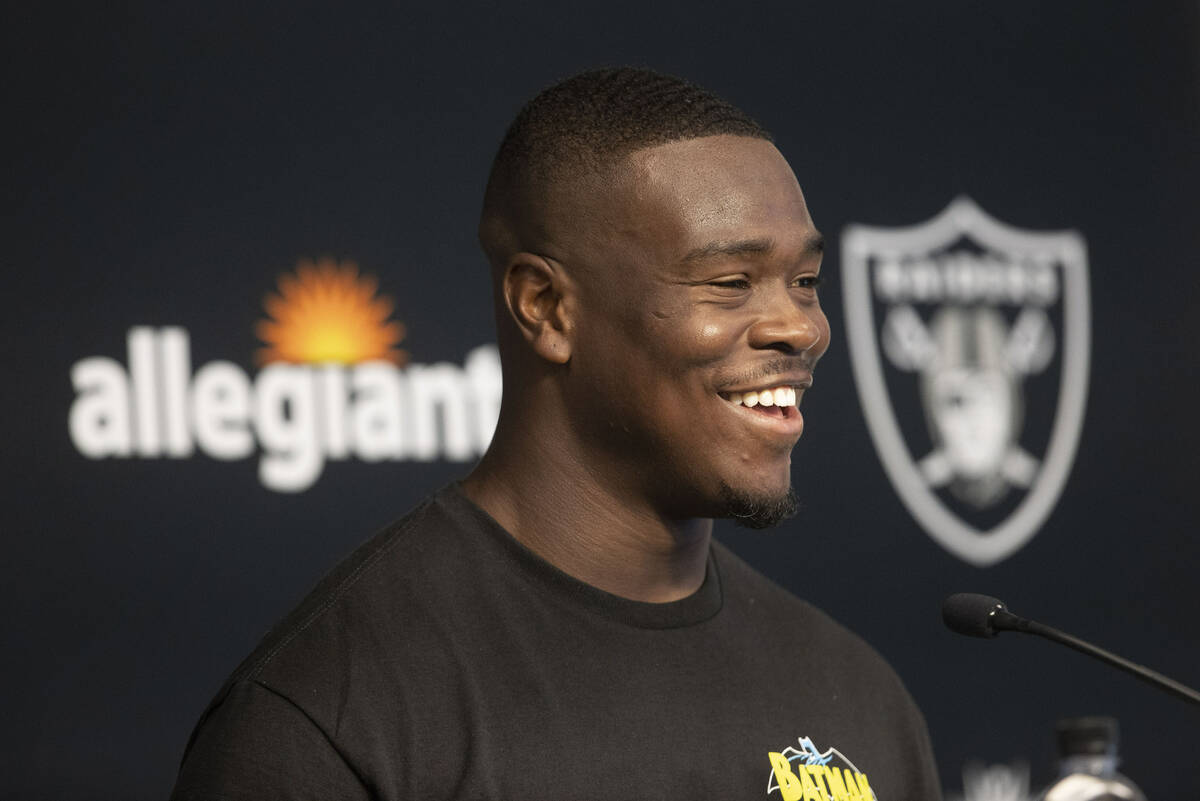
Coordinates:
x,y
586,123
599,114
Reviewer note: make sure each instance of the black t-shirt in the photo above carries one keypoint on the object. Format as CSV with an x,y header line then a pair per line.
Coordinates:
x,y
444,660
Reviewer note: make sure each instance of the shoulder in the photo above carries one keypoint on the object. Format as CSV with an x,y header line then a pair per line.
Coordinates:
x,y
748,591
374,648
367,610
256,744
791,629
369,579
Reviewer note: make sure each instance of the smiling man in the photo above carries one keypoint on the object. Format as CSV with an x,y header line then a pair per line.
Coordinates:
x,y
561,624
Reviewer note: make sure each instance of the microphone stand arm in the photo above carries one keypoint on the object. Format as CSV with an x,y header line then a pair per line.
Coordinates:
x,y
1003,620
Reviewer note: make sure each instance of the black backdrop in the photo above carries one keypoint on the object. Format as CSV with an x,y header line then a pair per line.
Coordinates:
x,y
167,162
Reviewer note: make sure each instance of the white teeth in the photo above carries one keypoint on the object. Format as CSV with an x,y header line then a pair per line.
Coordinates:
x,y
777,396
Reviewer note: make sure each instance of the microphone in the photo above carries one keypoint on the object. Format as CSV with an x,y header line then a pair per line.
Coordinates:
x,y
983,616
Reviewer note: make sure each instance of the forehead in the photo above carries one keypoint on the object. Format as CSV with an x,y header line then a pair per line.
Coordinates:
x,y
684,196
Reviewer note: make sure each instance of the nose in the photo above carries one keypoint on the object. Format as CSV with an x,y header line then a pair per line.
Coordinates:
x,y
789,325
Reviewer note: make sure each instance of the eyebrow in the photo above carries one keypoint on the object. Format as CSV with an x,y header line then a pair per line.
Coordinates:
x,y
814,245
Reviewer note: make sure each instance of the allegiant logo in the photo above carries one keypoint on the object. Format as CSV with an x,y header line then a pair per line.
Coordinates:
x,y
333,386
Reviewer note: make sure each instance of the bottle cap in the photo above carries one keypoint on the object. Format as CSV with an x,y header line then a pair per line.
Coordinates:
x,y
1090,736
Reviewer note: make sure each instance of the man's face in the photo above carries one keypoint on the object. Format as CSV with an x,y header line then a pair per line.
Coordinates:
x,y
697,269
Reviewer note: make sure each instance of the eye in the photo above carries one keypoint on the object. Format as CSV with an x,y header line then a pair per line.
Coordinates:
x,y
731,283
807,281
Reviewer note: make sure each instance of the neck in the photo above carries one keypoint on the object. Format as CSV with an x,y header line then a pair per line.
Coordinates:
x,y
595,532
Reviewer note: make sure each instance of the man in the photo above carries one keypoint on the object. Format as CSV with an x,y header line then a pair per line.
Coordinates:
x,y
561,625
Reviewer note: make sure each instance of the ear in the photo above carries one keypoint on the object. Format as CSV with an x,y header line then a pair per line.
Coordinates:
x,y
538,295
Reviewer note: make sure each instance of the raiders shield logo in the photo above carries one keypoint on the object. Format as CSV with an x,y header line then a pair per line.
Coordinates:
x,y
970,345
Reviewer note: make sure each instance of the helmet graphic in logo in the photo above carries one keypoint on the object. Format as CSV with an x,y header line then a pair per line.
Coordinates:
x,y
956,328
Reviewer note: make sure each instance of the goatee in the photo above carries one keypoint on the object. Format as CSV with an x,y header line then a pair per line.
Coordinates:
x,y
758,511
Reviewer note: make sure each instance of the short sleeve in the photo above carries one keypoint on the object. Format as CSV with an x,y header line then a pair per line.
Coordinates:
x,y
257,745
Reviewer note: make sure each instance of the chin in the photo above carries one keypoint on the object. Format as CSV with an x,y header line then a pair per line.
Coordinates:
x,y
758,508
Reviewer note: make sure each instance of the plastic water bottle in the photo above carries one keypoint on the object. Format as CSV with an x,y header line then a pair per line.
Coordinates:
x,y
1088,761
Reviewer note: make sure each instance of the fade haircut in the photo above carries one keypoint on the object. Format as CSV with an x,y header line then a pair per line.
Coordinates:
x,y
587,123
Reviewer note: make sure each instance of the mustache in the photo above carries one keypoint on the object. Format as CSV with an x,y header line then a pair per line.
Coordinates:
x,y
763,372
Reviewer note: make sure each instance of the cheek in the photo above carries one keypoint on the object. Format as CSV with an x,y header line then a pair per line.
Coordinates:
x,y
710,340
680,340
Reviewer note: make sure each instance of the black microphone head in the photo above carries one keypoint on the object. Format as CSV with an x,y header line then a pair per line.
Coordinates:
x,y
972,614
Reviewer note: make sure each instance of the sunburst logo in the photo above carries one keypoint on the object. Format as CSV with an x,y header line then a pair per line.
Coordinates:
x,y
326,313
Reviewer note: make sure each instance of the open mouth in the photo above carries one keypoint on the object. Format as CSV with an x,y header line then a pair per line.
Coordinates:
x,y
777,402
